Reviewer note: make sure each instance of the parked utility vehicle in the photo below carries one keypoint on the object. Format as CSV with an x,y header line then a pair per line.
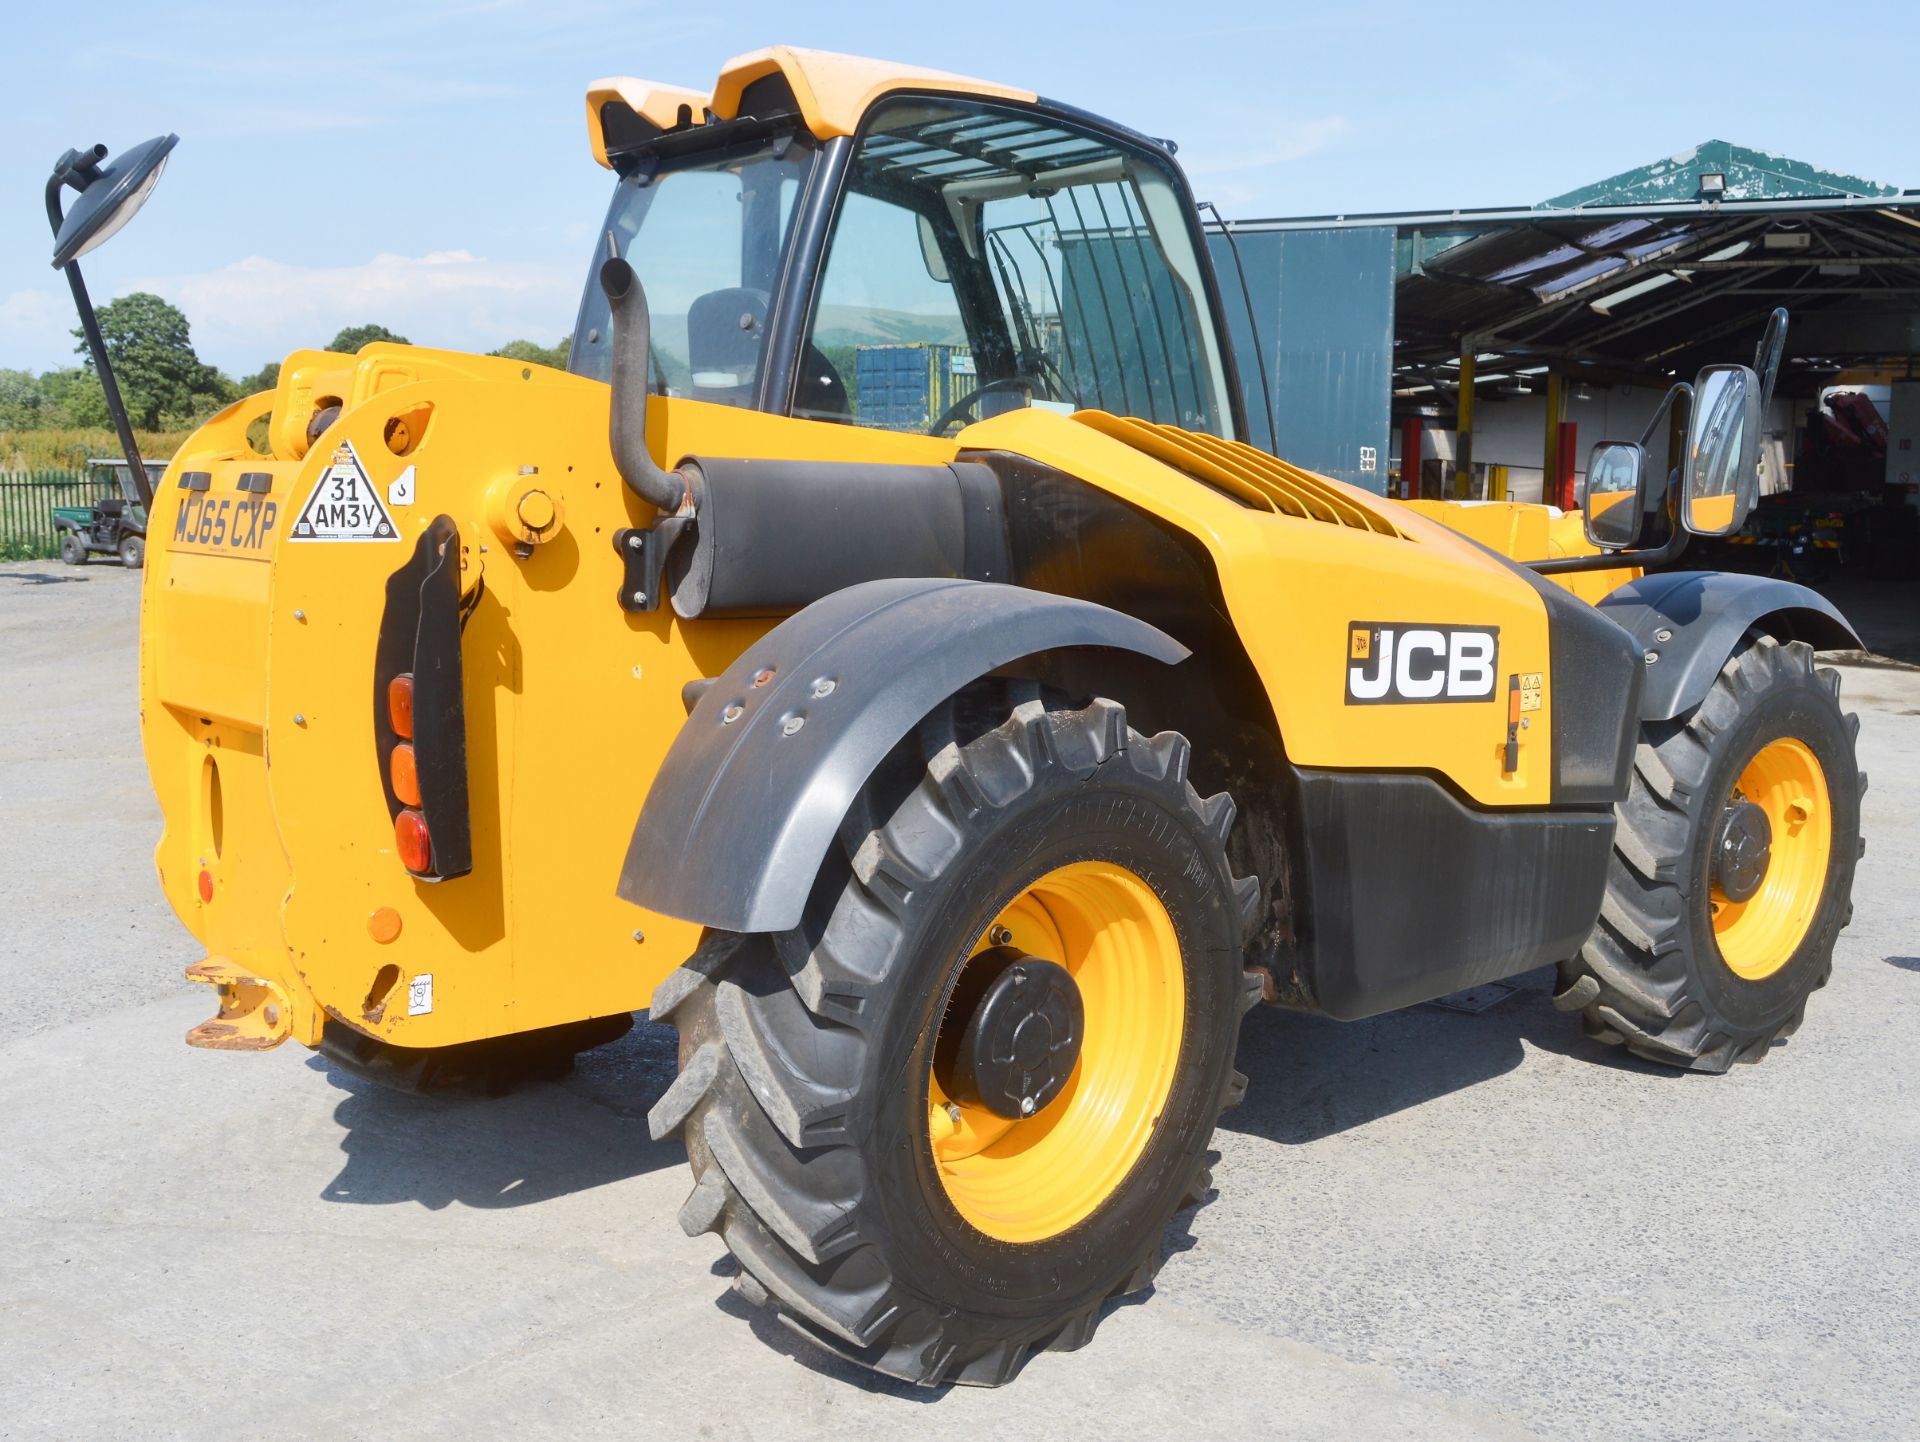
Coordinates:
x,y
953,790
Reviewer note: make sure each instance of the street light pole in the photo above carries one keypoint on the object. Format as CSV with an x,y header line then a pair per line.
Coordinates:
x,y
116,407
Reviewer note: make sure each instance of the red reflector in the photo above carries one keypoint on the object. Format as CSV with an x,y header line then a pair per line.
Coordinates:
x,y
400,705
406,780
206,886
410,839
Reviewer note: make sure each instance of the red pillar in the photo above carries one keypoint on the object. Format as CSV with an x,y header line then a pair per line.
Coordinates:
x,y
1411,430
1563,483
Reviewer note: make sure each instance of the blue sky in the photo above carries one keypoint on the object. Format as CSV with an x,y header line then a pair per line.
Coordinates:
x,y
425,165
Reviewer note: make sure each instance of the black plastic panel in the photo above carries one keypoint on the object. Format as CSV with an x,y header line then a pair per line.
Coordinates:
x,y
1704,615
1413,894
742,810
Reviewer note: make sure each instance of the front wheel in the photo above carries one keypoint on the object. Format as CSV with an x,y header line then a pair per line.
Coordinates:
x,y
1732,869
133,552
940,1127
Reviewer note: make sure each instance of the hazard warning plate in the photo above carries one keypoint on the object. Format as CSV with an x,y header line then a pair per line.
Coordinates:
x,y
344,505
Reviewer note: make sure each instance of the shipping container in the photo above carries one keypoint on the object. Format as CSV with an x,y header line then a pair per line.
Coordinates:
x,y
907,387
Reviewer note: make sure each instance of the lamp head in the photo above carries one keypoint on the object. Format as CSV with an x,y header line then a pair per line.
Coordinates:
x,y
108,195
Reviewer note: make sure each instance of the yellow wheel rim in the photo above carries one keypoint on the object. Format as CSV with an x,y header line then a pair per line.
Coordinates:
x,y
1027,1179
1759,935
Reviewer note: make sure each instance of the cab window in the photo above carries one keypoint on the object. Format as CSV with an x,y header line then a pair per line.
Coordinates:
x,y
707,234
986,259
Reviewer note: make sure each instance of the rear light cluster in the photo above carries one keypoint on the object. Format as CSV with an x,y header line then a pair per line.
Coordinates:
x,y
419,708
410,836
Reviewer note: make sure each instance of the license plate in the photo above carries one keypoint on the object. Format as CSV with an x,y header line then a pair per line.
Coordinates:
x,y
212,525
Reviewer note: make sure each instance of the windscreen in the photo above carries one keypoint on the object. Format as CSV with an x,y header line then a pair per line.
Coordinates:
x,y
984,259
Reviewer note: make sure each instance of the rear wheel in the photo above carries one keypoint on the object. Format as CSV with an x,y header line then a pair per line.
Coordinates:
x,y
1732,868
73,550
940,1124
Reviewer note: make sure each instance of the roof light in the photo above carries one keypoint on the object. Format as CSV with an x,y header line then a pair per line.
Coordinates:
x,y
1713,182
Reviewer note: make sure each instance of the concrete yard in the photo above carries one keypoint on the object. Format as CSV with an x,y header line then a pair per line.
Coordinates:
x,y
1437,1224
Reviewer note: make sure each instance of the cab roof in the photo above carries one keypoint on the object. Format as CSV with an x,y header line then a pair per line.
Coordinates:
x,y
830,92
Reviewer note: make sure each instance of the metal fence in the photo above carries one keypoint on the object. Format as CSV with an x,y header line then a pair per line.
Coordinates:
x,y
27,499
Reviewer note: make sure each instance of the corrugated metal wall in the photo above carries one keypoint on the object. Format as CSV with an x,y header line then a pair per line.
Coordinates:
x,y
1323,303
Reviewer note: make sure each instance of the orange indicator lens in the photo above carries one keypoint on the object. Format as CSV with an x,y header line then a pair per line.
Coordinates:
x,y
400,705
406,780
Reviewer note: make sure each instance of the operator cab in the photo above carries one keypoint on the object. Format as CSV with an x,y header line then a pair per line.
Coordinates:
x,y
952,258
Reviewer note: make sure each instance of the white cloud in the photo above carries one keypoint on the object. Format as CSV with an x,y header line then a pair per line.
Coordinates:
x,y
1281,143
255,310
36,329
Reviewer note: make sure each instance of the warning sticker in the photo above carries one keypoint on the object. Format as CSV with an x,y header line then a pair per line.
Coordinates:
x,y
420,995
400,493
344,505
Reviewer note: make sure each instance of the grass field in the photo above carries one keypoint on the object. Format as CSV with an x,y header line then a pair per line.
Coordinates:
x,y
69,450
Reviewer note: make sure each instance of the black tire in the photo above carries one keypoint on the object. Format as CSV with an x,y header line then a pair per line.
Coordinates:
x,y
803,1055
133,552
1651,977
488,1068
73,550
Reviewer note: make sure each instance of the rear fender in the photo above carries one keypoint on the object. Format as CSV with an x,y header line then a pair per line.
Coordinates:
x,y
1688,622
741,813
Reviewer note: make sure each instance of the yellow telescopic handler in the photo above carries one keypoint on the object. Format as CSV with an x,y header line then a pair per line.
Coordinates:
x,y
951,760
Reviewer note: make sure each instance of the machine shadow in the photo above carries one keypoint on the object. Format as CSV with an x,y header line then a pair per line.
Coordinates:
x,y
1312,1077
546,1140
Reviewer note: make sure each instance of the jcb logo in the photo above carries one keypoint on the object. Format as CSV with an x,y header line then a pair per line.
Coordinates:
x,y
1397,662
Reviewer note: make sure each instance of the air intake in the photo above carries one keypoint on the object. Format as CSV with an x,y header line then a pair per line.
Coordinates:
x,y
1248,475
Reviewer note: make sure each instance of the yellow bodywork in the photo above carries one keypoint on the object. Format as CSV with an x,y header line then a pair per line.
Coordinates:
x,y
258,705
833,90
1529,532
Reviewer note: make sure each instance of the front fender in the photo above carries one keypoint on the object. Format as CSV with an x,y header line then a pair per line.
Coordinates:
x,y
1703,615
742,812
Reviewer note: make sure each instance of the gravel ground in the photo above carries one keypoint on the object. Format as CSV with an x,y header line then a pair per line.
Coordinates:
x,y
1436,1224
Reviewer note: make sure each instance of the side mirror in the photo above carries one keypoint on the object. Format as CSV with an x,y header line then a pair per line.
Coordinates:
x,y
109,195
1616,498
1769,353
1721,474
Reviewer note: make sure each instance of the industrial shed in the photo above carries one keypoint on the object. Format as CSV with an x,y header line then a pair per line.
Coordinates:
x,y
1481,353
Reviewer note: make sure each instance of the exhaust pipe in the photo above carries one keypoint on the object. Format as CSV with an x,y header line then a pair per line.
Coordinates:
x,y
667,491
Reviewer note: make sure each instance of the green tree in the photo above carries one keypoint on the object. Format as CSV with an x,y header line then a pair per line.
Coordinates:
x,y
151,348
74,400
349,341
264,379
23,404
533,353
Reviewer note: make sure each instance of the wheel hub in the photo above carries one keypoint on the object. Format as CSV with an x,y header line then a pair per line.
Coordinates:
x,y
1742,850
1015,1031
